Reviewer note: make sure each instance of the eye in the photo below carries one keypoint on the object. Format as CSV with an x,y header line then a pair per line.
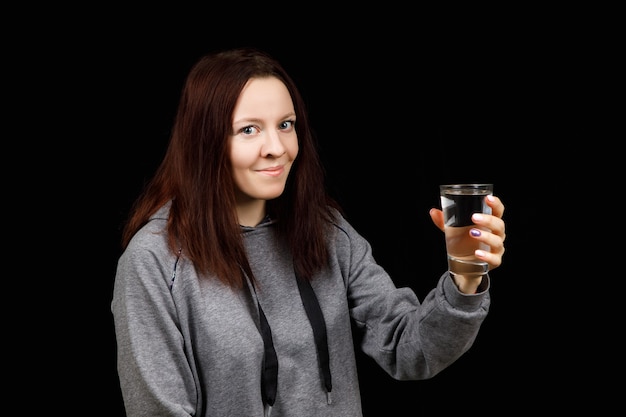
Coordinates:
x,y
249,130
287,125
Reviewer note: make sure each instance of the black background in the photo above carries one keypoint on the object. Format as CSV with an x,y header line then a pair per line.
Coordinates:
x,y
396,113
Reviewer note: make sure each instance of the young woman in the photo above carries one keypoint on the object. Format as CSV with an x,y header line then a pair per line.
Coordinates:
x,y
241,282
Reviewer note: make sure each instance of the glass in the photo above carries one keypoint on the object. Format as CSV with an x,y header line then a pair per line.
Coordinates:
x,y
458,203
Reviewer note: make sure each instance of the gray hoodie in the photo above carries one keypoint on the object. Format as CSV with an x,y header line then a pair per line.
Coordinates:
x,y
190,346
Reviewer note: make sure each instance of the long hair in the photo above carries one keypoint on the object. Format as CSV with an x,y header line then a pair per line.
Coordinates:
x,y
196,175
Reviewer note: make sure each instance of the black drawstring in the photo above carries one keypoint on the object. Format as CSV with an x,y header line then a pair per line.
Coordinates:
x,y
269,383
269,380
269,374
316,318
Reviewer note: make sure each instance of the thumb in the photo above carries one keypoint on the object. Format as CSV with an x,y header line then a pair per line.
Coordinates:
x,y
436,216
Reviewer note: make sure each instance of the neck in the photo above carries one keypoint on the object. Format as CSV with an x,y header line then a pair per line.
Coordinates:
x,y
251,213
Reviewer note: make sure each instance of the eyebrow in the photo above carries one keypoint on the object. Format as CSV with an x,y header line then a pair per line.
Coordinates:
x,y
257,120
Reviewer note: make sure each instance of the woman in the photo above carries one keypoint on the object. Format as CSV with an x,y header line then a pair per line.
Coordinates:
x,y
241,281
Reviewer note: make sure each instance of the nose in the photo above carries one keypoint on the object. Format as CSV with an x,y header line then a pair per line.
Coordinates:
x,y
273,144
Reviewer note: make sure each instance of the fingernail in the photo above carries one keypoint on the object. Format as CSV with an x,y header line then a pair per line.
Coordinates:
x,y
475,232
479,253
490,198
477,216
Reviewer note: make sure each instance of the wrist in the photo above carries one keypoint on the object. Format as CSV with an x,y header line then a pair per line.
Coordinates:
x,y
465,284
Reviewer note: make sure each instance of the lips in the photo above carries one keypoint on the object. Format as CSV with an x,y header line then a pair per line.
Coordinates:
x,y
272,171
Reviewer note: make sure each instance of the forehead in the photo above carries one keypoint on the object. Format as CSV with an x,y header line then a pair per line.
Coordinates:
x,y
262,95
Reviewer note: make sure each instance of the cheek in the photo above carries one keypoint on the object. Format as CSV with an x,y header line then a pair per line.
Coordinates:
x,y
243,156
292,149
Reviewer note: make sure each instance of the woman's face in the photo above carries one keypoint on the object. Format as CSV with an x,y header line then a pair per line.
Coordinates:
x,y
264,143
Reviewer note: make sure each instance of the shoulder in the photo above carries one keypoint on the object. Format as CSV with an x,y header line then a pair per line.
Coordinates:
x,y
344,234
152,238
340,223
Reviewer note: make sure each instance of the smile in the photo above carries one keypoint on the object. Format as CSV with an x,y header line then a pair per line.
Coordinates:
x,y
272,171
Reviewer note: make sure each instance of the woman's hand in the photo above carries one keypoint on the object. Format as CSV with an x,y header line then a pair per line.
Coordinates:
x,y
494,238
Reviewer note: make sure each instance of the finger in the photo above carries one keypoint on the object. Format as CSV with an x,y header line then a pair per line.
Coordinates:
x,y
436,216
494,255
493,241
497,208
493,259
491,222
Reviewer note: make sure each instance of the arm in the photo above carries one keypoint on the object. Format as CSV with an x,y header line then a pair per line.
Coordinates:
x,y
409,339
155,375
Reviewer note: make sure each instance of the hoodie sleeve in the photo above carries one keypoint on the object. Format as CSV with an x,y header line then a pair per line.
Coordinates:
x,y
155,376
409,339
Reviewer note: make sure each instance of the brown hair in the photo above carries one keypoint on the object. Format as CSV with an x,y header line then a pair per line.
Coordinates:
x,y
196,175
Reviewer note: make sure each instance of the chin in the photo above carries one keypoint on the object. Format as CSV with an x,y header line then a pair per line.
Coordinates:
x,y
272,195
263,192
